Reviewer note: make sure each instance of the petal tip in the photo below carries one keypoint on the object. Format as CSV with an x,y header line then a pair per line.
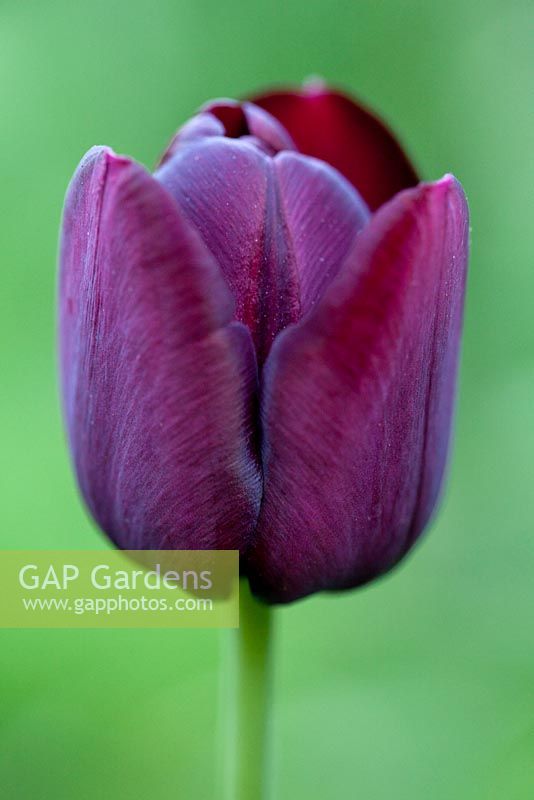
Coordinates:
x,y
453,194
314,85
97,162
450,183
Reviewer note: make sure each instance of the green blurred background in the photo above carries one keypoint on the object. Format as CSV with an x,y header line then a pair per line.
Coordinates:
x,y
420,686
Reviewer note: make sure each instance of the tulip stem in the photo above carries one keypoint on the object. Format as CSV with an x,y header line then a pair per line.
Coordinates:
x,y
245,702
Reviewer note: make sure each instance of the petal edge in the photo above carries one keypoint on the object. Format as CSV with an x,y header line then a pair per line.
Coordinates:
x,y
332,126
158,383
357,403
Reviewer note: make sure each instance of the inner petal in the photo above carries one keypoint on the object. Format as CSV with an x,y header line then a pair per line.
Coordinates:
x,y
278,227
242,119
323,214
227,189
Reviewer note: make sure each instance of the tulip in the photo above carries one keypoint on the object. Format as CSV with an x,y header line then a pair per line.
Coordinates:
x,y
259,341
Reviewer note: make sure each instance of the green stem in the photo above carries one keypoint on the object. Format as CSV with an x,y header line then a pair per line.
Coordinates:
x,y
245,702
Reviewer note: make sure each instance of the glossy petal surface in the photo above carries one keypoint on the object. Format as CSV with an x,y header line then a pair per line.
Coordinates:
x,y
333,127
357,402
158,382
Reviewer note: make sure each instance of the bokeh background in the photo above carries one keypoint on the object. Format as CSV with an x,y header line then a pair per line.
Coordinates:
x,y
418,686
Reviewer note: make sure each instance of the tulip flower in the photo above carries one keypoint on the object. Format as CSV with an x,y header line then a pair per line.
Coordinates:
x,y
259,341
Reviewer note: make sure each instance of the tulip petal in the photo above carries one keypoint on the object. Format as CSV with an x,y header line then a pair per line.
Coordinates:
x,y
279,227
357,403
330,126
322,215
158,382
199,127
234,120
224,188
246,119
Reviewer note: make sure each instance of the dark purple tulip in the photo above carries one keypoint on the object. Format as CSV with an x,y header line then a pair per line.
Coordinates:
x,y
259,341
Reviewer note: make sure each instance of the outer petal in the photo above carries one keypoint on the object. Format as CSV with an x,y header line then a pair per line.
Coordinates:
x,y
331,126
357,403
157,382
